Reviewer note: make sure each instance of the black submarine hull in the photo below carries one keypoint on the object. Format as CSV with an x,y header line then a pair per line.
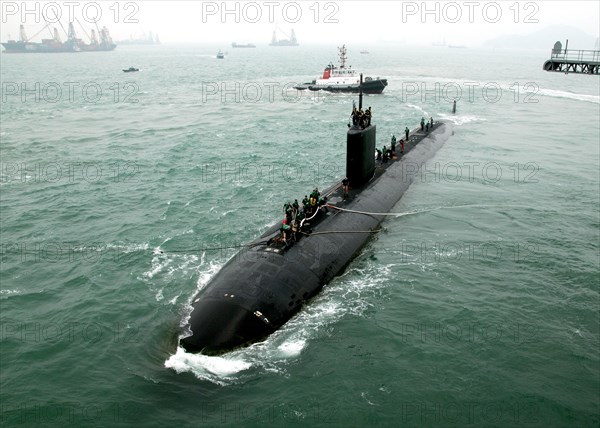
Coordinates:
x,y
259,290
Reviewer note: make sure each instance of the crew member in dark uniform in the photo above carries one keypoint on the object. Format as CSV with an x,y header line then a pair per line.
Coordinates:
x,y
305,203
297,230
354,116
289,213
406,131
422,123
368,117
315,193
345,185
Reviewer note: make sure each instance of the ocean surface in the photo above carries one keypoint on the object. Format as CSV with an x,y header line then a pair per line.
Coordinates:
x,y
121,193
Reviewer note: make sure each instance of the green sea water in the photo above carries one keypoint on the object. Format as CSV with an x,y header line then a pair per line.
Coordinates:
x,y
479,307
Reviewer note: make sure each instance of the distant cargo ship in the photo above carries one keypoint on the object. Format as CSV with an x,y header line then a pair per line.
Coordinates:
x,y
73,44
292,41
150,39
247,45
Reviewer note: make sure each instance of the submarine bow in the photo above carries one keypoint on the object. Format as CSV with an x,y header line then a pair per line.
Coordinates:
x,y
260,288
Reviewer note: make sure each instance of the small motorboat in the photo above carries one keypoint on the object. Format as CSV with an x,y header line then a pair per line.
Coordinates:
x,y
131,70
220,55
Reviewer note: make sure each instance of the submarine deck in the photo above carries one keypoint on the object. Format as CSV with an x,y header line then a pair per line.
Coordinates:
x,y
251,297
335,196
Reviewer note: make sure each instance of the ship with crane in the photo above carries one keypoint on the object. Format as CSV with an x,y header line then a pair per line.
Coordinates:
x,y
100,40
290,41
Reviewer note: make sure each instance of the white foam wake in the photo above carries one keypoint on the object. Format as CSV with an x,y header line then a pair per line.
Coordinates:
x,y
314,323
214,369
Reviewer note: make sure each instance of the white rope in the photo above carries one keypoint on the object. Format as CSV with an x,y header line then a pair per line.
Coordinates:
x,y
367,213
432,209
310,218
342,231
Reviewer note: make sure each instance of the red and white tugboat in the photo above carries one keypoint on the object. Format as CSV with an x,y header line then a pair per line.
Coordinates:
x,y
344,79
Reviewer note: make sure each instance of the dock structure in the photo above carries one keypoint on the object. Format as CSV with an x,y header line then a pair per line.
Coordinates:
x,y
573,61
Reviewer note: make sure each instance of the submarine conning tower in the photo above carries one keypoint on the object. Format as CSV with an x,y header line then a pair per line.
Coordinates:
x,y
360,150
360,155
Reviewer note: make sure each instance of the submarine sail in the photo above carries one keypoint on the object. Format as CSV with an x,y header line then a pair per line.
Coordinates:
x,y
263,286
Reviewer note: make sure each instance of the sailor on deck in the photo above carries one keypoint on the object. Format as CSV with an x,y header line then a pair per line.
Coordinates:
x,y
368,117
313,200
345,185
315,193
305,202
285,231
355,117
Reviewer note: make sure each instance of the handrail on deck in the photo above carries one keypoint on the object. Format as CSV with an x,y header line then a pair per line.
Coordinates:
x,y
581,56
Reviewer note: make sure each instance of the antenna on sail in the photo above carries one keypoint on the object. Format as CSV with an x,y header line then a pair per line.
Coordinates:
x,y
360,93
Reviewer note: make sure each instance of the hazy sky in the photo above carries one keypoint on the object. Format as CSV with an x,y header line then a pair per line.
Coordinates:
x,y
331,22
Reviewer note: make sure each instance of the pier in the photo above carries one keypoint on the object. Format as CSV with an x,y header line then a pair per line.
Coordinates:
x,y
573,61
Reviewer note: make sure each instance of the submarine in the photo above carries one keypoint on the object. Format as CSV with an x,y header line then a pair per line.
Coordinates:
x,y
259,289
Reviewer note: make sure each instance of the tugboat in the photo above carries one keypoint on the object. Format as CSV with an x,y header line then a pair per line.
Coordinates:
x,y
131,70
344,79
220,55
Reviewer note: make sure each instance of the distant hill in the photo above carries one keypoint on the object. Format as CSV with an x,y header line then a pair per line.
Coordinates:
x,y
545,39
